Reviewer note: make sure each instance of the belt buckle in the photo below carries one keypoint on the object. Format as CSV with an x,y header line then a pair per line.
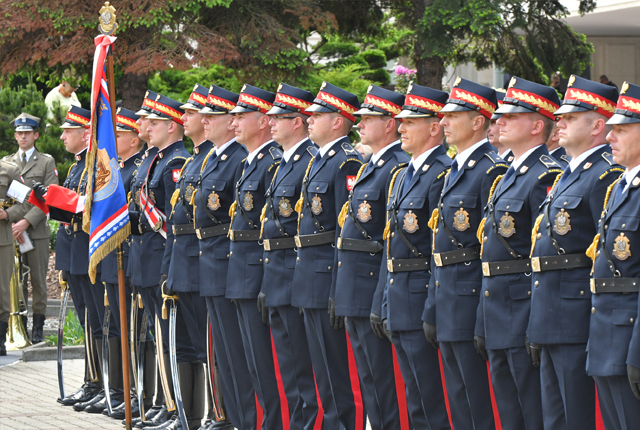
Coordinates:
x,y
339,243
198,234
267,244
140,228
75,227
486,270
535,264
173,227
592,286
390,266
438,259
296,238
231,234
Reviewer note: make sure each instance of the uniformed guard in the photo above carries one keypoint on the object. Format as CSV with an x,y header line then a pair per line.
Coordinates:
x,y
289,128
9,212
613,355
360,245
213,197
450,313
184,270
128,146
494,130
145,110
560,298
325,188
35,167
526,122
245,275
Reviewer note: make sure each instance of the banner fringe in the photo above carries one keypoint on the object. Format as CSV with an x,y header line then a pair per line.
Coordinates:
x,y
107,248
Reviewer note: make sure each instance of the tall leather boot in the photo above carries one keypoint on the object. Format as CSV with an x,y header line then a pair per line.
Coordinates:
x,y
164,416
4,326
152,386
198,396
97,363
88,390
186,376
37,329
116,384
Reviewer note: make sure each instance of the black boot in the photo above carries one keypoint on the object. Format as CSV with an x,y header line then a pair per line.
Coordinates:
x,y
97,363
88,390
3,336
116,391
38,325
161,418
198,396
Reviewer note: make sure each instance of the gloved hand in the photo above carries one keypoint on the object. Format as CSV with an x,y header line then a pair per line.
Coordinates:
x,y
633,373
336,322
534,350
431,334
385,329
39,190
164,286
481,348
376,324
263,309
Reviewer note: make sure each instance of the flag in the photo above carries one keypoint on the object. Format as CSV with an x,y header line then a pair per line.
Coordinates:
x,y
106,218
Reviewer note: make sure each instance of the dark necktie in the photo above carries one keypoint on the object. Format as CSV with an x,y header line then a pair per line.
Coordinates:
x,y
564,177
408,177
368,168
621,185
454,169
283,163
316,161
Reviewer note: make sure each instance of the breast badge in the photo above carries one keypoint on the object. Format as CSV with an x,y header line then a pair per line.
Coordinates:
x,y
562,224
507,225
461,220
284,208
188,193
410,222
364,211
247,202
316,205
213,202
621,247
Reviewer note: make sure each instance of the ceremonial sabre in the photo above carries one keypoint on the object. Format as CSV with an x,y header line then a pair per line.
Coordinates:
x,y
63,313
174,363
105,350
142,339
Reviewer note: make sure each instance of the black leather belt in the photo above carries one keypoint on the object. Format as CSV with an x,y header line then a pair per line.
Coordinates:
x,y
315,239
461,255
370,246
408,265
506,267
280,243
180,229
557,262
216,230
144,228
615,285
244,235
77,226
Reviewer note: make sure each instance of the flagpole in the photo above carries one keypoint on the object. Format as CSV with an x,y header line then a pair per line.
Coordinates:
x,y
122,303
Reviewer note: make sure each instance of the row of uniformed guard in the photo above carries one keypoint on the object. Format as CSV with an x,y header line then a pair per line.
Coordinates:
x,y
320,291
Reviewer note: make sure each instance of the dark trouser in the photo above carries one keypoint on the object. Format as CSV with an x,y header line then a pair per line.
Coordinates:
x,y
374,357
75,289
238,393
94,301
38,261
256,338
568,394
620,408
419,361
516,385
467,381
290,340
113,294
336,372
194,311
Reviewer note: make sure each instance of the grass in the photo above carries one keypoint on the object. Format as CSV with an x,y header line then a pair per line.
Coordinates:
x,y
73,334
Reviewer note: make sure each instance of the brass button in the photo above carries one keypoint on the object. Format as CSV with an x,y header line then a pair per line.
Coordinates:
x,y
370,273
539,236
329,268
366,195
231,253
411,204
200,253
631,320
437,284
473,291
175,240
461,202
297,259
391,282
624,225
249,186
393,234
536,283
508,206
261,260
436,231
317,188
486,293
213,188
266,260
227,255
529,292
598,254
339,263
266,219
606,227
593,310
582,293
484,239
565,203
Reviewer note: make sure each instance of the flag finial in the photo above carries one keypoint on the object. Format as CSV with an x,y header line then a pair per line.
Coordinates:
x,y
108,23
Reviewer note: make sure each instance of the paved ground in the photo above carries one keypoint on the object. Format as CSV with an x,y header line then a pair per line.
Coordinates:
x,y
28,393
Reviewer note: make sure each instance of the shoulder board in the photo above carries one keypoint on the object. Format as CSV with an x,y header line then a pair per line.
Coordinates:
x,y
274,165
348,149
608,158
276,154
350,159
46,155
548,161
500,164
566,158
312,150
402,157
495,158
556,171
9,162
611,170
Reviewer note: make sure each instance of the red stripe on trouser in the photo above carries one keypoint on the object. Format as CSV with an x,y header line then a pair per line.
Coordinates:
x,y
401,392
599,422
284,403
444,389
219,414
258,414
496,416
318,424
355,385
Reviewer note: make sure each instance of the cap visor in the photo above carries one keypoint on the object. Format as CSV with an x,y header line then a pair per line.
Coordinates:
x,y
496,116
452,107
143,112
320,109
190,106
242,109
509,108
156,116
67,125
622,119
277,110
570,108
120,128
412,114
367,111
24,128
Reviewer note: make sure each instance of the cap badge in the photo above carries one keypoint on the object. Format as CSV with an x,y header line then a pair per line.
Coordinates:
x,y
280,86
409,88
195,87
369,89
146,95
158,97
572,79
458,80
118,110
324,84
461,220
244,87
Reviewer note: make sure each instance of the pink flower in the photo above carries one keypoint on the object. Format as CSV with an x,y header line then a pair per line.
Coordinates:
x,y
401,70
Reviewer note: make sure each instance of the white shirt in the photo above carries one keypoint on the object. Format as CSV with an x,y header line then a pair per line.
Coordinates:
x,y
221,149
328,146
255,152
419,161
375,157
288,153
464,155
28,152
505,153
577,161
518,161
629,175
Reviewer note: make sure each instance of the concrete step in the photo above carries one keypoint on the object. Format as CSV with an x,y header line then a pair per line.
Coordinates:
x,y
53,307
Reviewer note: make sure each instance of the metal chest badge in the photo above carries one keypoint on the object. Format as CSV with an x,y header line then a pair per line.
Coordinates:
x,y
507,225
621,247
247,202
364,211
461,220
316,205
188,193
213,201
562,223
284,208
410,222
